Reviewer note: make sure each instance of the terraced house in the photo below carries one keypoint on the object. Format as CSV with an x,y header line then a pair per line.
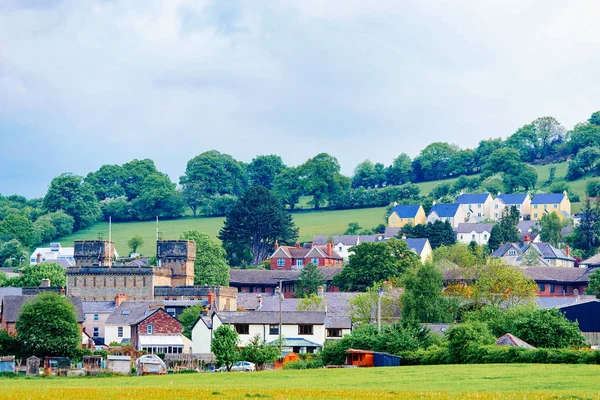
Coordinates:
x,y
547,203
404,214
521,201
476,206
296,257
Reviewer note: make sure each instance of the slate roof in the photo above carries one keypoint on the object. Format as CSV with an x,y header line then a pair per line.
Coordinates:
x,y
593,260
337,302
391,232
272,317
338,322
513,341
558,274
512,198
548,198
552,301
272,277
98,307
406,210
138,262
346,240
466,227
472,198
295,342
416,244
12,305
302,252
10,291
445,210
546,250
132,312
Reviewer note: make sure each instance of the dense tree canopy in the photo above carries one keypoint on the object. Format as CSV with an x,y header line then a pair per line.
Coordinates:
x,y
309,281
264,169
210,267
71,194
322,178
423,300
224,346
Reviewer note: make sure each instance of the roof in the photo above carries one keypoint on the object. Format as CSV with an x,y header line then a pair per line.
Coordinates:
x,y
391,232
466,227
12,305
337,302
406,210
557,301
10,291
338,322
272,277
473,198
580,300
132,312
302,252
346,240
513,341
160,340
98,307
548,198
558,274
511,199
445,210
138,262
594,260
272,317
546,250
295,342
416,244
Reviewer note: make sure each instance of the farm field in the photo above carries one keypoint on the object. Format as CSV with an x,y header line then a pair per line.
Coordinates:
x,y
500,381
310,223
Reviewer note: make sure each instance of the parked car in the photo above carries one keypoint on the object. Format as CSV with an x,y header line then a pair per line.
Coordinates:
x,y
240,366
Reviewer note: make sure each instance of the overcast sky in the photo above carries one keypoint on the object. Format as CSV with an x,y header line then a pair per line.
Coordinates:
x,y
86,83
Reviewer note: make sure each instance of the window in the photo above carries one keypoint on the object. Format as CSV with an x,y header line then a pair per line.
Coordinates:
x,y
484,237
473,236
96,332
564,289
280,262
552,288
316,260
334,332
496,215
535,215
478,205
95,317
535,206
84,317
120,331
496,207
410,220
242,329
274,330
461,236
149,329
556,206
542,287
305,329
512,252
299,263
171,312
394,220
479,214
340,248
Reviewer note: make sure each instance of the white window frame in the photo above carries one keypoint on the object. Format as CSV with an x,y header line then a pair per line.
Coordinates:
x,y
280,262
149,329
120,331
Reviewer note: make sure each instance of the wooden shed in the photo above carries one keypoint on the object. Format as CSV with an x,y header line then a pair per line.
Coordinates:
x,y
368,358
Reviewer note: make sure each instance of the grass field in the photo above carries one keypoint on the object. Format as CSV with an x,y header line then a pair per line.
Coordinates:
x,y
310,224
511,381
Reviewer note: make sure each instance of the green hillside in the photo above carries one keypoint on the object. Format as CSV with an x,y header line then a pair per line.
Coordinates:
x,y
310,224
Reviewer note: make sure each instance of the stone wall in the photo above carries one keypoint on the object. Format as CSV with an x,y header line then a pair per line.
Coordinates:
x,y
103,284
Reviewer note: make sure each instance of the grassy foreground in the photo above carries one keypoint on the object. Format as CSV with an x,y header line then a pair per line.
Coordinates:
x,y
513,381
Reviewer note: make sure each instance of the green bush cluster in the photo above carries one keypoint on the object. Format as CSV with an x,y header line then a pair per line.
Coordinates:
x,y
311,363
364,198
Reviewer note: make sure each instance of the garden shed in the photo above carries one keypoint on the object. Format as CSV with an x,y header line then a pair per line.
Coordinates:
x,y
118,364
7,364
368,358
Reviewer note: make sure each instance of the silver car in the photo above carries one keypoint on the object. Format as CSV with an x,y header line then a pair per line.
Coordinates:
x,y
240,366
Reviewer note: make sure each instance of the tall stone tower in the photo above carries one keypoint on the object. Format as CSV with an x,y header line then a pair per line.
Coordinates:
x,y
179,257
90,253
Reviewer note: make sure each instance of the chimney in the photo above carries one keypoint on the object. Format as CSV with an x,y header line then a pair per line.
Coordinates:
x,y
259,305
320,291
38,258
45,282
297,244
526,240
568,250
211,299
120,298
276,245
329,248
404,236
62,291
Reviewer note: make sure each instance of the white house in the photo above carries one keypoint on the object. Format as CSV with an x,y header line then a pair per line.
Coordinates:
x,y
470,232
343,243
117,327
303,330
476,206
53,253
453,213
521,201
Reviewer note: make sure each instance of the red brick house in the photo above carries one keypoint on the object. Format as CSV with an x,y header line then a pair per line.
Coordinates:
x,y
158,332
296,257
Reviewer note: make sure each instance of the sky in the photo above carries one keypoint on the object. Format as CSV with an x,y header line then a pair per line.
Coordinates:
x,y
86,83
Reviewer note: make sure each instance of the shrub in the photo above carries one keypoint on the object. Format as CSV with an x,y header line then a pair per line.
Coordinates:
x,y
312,363
465,339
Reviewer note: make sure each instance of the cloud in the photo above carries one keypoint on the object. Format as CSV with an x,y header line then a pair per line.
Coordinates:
x,y
84,83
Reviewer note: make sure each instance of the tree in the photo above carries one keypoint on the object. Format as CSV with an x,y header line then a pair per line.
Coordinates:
x,y
434,160
485,149
210,267
188,319
309,281
18,227
586,235
134,242
158,197
108,181
365,175
463,339
135,173
505,231
400,171
515,173
264,169
551,229
32,275
224,346
594,285
47,326
322,178
44,230
549,132
363,307
62,222
258,352
439,233
12,250
548,328
586,161
592,188
257,222
288,186
353,228
459,254
422,300
392,258
71,194
312,302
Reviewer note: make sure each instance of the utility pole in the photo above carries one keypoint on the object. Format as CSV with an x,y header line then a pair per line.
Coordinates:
x,y
379,294
280,316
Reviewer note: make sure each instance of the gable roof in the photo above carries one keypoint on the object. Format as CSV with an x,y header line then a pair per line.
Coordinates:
x,y
132,312
416,244
406,210
337,302
97,307
546,250
557,274
467,227
272,277
272,317
472,198
513,341
445,210
548,198
593,260
511,199
12,305
303,252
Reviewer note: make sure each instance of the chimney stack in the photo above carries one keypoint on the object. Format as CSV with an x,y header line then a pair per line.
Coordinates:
x,y
45,282
404,236
120,298
568,250
259,305
276,245
320,291
38,258
329,248
526,239
211,299
297,244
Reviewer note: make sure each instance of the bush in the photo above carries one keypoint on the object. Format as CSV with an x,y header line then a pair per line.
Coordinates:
x,y
465,339
363,198
312,363
218,205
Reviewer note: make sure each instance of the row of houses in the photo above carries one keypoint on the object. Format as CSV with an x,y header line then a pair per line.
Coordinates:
x,y
481,207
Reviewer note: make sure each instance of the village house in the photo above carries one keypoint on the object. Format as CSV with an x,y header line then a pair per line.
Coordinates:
x,y
404,214
559,281
95,314
592,262
476,206
521,201
420,246
304,331
296,257
453,213
540,254
547,203
470,232
343,243
54,253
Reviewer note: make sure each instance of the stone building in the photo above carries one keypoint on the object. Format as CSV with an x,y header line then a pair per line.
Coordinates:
x,y
95,277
